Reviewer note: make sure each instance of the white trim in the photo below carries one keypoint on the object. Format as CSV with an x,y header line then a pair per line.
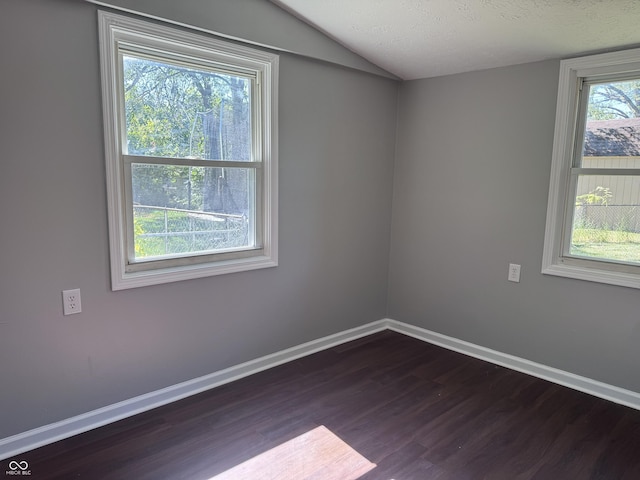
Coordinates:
x,y
557,224
603,390
69,427
23,442
115,29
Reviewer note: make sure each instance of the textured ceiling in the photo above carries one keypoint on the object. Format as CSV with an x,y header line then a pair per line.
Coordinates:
x,y
426,38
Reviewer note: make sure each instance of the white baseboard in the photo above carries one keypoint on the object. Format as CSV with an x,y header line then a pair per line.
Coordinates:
x,y
587,385
23,442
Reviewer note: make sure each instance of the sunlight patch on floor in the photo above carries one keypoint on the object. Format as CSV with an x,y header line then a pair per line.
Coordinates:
x,y
315,455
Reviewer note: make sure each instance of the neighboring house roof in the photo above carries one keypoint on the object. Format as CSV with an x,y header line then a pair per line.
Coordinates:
x,y
612,138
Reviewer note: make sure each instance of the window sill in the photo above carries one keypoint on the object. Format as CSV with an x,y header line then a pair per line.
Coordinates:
x,y
591,274
122,280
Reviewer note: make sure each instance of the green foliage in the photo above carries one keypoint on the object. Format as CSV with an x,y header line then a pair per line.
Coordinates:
x,y
606,244
597,196
140,247
173,111
584,236
164,231
600,240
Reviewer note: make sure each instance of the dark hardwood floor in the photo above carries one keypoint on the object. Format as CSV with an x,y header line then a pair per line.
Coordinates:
x,y
415,410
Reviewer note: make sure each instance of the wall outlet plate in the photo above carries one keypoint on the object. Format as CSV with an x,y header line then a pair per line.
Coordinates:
x,y
71,302
514,273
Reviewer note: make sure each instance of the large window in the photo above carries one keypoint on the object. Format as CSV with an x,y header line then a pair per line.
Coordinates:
x,y
190,134
593,219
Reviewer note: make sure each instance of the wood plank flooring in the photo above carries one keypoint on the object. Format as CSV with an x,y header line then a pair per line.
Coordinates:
x,y
416,411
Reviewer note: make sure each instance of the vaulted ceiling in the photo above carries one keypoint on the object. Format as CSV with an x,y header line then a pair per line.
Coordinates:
x,y
426,38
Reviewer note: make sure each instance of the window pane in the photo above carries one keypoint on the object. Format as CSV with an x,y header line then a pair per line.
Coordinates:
x,y
182,210
174,111
612,131
606,220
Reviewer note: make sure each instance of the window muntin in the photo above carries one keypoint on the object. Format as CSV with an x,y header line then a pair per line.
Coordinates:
x,y
605,177
592,216
182,111
191,152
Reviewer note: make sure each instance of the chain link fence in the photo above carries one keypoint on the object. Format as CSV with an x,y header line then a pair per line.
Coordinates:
x,y
623,218
164,231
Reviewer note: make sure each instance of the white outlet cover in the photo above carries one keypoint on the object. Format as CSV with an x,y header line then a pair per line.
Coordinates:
x,y
514,273
71,301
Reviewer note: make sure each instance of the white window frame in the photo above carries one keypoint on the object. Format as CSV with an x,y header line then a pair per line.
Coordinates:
x,y
573,72
116,30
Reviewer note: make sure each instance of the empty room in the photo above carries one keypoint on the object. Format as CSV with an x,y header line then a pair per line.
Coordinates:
x,y
337,240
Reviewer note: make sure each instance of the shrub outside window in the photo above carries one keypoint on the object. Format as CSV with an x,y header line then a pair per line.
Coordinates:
x,y
191,152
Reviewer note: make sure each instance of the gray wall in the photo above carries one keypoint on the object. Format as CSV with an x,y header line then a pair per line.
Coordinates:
x,y
470,193
337,132
470,197
275,28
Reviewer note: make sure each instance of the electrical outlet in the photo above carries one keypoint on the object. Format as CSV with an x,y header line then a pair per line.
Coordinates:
x,y
514,272
71,302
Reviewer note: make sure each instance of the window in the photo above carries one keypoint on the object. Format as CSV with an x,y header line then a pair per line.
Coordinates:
x,y
190,140
593,217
